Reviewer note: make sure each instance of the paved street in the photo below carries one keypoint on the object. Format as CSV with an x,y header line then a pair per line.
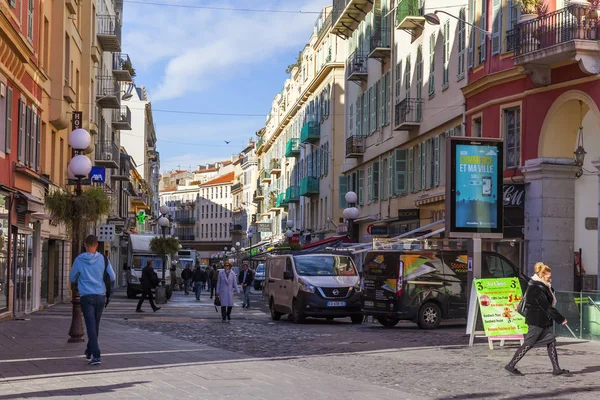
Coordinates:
x,y
184,351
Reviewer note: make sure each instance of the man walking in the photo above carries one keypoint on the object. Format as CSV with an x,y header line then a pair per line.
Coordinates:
x,y
245,279
149,281
214,277
198,279
187,275
88,274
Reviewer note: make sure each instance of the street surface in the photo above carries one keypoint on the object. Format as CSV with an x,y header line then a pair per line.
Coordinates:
x,y
185,351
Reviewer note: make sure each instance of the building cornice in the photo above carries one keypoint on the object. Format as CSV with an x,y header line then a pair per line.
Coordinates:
x,y
492,80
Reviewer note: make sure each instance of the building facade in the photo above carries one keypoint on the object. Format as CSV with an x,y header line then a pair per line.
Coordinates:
x,y
243,190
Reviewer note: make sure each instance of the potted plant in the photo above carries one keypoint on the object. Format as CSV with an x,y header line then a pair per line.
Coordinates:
x,y
163,246
593,11
529,9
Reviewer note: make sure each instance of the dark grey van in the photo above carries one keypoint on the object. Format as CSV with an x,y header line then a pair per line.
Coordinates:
x,y
424,286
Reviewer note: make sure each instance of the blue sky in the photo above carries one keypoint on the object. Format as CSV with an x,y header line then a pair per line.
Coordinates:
x,y
215,61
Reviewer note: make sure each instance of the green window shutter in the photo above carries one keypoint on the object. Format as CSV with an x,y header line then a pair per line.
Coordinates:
x,y
388,98
376,177
424,165
390,181
358,115
432,64
366,116
411,167
370,183
407,77
343,190
9,115
351,120
381,101
496,26
430,163
361,186
400,177
446,52
437,161
373,124
398,78
418,181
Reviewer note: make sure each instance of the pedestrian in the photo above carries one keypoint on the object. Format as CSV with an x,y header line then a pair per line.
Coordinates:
x,y
245,279
88,274
226,282
149,281
198,279
186,275
539,313
173,276
214,277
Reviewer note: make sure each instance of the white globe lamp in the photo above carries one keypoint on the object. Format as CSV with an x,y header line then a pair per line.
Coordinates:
x,y
164,210
81,166
250,235
289,233
351,213
70,173
250,229
290,223
351,198
163,222
237,244
80,139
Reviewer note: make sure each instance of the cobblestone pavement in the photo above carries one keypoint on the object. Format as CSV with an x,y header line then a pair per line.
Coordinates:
x,y
184,351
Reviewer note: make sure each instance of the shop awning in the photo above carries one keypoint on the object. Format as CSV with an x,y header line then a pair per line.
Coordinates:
x,y
34,203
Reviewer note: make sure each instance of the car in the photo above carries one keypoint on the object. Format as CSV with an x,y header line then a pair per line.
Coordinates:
x,y
424,286
319,285
259,276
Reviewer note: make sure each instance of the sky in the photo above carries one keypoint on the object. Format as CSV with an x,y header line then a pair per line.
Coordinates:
x,y
195,60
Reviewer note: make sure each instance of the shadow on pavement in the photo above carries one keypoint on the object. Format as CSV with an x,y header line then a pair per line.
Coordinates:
x,y
570,393
470,396
79,391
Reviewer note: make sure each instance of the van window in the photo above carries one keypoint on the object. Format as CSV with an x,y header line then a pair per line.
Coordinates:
x,y
324,266
139,261
288,265
498,267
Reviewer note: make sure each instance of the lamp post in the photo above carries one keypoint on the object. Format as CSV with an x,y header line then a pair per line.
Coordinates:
x,y
350,214
289,233
80,167
163,223
433,19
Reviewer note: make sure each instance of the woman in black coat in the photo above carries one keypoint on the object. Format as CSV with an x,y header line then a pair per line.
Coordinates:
x,y
539,315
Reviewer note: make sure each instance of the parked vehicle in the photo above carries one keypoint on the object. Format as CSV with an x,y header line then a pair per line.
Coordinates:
x,y
424,286
259,276
313,285
138,255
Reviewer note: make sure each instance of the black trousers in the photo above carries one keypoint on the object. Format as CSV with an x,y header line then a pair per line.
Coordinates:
x,y
226,312
213,288
147,293
536,337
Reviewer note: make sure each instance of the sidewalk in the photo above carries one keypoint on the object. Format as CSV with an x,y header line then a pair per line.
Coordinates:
x,y
37,362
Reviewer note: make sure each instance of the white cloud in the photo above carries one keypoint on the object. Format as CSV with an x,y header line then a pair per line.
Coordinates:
x,y
202,47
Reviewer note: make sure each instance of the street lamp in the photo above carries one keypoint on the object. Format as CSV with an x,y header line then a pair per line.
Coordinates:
x,y
351,213
289,233
163,223
80,167
433,19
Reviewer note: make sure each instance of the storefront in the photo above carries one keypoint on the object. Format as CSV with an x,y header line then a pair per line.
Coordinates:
x,y
4,252
432,209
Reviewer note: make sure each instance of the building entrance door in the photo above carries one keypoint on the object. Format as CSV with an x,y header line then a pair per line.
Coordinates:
x,y
23,273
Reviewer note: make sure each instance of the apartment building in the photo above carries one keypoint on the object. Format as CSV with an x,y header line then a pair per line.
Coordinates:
x,y
403,99
214,212
300,149
243,191
535,83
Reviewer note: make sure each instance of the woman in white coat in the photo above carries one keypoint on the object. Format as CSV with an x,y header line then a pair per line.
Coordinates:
x,y
225,284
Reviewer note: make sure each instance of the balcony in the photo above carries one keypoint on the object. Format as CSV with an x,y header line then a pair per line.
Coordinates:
x,y
347,15
237,228
236,187
562,37
124,172
96,54
68,93
187,238
122,67
355,146
381,42
109,33
258,195
292,194
248,161
108,92
281,201
292,147
275,167
356,68
107,154
185,221
309,186
260,144
409,114
410,15
311,132
265,176
121,119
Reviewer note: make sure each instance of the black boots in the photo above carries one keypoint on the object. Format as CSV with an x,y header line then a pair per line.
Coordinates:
x,y
556,370
519,354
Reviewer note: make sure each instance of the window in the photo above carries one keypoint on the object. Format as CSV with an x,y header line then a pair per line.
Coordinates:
x,y
361,186
437,163
446,54
462,43
30,21
376,181
482,37
471,35
373,91
476,127
407,77
350,120
9,116
365,124
387,111
496,26
400,171
381,102
419,73
398,78
432,64
512,137
411,170
343,185
370,183
514,14
358,116
383,184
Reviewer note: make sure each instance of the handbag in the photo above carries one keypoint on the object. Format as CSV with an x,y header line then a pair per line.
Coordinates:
x,y
522,307
217,301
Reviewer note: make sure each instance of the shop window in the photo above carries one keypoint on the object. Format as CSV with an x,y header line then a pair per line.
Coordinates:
x,y
512,137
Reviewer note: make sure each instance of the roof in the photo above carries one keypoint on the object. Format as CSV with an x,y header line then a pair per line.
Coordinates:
x,y
227,178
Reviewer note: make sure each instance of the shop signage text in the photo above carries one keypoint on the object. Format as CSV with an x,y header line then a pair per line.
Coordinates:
x,y
409,214
514,195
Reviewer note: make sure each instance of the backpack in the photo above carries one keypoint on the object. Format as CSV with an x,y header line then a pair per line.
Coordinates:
x,y
107,282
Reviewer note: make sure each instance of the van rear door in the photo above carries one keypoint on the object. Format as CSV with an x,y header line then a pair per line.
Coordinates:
x,y
383,277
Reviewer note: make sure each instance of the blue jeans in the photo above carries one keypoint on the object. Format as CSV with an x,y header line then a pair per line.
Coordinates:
x,y
198,289
247,295
91,307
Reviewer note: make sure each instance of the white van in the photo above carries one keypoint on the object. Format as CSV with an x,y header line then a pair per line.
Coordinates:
x,y
313,285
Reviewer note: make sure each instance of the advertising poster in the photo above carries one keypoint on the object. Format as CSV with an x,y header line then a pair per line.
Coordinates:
x,y
498,302
476,186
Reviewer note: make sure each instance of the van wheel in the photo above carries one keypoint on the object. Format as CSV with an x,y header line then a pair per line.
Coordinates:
x,y
297,316
430,316
131,294
357,319
275,316
388,322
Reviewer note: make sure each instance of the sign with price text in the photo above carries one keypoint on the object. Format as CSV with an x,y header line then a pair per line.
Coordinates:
x,y
498,301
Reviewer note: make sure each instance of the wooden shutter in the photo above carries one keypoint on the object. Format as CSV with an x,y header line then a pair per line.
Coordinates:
x,y
343,190
376,178
366,116
390,177
21,137
398,78
361,186
351,120
418,168
432,64
411,168
496,26
388,98
382,102
471,33
370,183
482,37
374,111
358,116
446,53
424,148
9,117
436,176
407,77
462,32
400,184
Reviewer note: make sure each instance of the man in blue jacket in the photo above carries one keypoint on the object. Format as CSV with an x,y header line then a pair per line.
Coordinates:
x,y
88,273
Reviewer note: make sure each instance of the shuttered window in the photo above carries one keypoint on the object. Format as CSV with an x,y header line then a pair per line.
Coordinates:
x,y
471,33
388,99
400,171
361,186
376,185
418,168
342,192
351,120
424,165
358,116
411,170
398,79
373,123
432,64
446,54
381,102
437,163
496,26
482,37
370,183
9,116
462,43
366,115
407,77
22,137
30,20
390,176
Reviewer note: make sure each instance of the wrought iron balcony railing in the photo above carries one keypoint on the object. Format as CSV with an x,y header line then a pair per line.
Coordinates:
x,y
311,132
107,154
292,147
309,186
355,146
122,67
121,118
408,113
356,67
109,32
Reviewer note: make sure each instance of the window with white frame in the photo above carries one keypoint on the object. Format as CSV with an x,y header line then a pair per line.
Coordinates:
x,y
462,43
432,64
446,54
512,137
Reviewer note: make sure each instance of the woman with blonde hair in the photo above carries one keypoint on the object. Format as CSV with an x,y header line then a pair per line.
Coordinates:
x,y
539,315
